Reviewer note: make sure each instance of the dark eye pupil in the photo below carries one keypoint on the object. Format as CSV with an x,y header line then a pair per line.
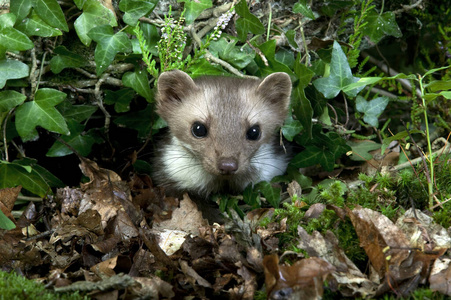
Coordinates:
x,y
199,130
253,133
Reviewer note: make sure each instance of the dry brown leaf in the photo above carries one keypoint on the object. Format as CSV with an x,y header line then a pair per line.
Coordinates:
x,y
8,197
303,280
376,232
351,281
186,218
105,268
440,278
151,288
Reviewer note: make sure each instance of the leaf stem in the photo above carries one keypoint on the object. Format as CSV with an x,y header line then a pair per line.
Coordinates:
x,y
431,162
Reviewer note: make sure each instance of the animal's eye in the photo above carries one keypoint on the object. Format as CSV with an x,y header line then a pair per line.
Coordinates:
x,y
253,133
199,130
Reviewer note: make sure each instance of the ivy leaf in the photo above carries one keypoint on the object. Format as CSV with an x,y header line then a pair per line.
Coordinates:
x,y
291,128
140,121
12,69
204,67
20,8
65,59
138,81
301,105
10,38
247,23
340,76
135,9
194,8
302,109
35,26
14,174
271,194
108,45
41,112
313,155
372,109
269,51
380,25
81,142
121,99
238,56
360,150
94,14
51,12
304,9
10,99
78,113
151,36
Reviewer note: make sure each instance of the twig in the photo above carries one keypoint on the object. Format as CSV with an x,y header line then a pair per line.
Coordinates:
x,y
407,7
34,67
4,134
259,52
99,98
381,92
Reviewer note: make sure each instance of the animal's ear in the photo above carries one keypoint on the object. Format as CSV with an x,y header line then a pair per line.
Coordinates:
x,y
276,89
174,86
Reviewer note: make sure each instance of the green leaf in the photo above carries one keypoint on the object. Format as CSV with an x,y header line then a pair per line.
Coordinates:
x,y
141,121
138,81
41,112
12,69
51,12
20,8
291,128
304,9
94,14
313,155
438,85
10,99
303,110
269,49
151,36
397,137
135,9
285,56
5,222
372,109
271,194
301,105
14,174
194,8
360,150
364,81
77,139
247,23
238,56
340,76
14,40
121,99
7,20
79,113
380,25
35,26
65,59
108,45
204,67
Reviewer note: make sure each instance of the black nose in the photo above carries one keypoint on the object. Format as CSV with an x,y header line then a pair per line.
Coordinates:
x,y
227,166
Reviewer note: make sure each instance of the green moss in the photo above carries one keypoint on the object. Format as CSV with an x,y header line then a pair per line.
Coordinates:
x,y
14,286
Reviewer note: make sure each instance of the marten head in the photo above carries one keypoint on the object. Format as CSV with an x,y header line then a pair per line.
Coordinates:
x,y
225,124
